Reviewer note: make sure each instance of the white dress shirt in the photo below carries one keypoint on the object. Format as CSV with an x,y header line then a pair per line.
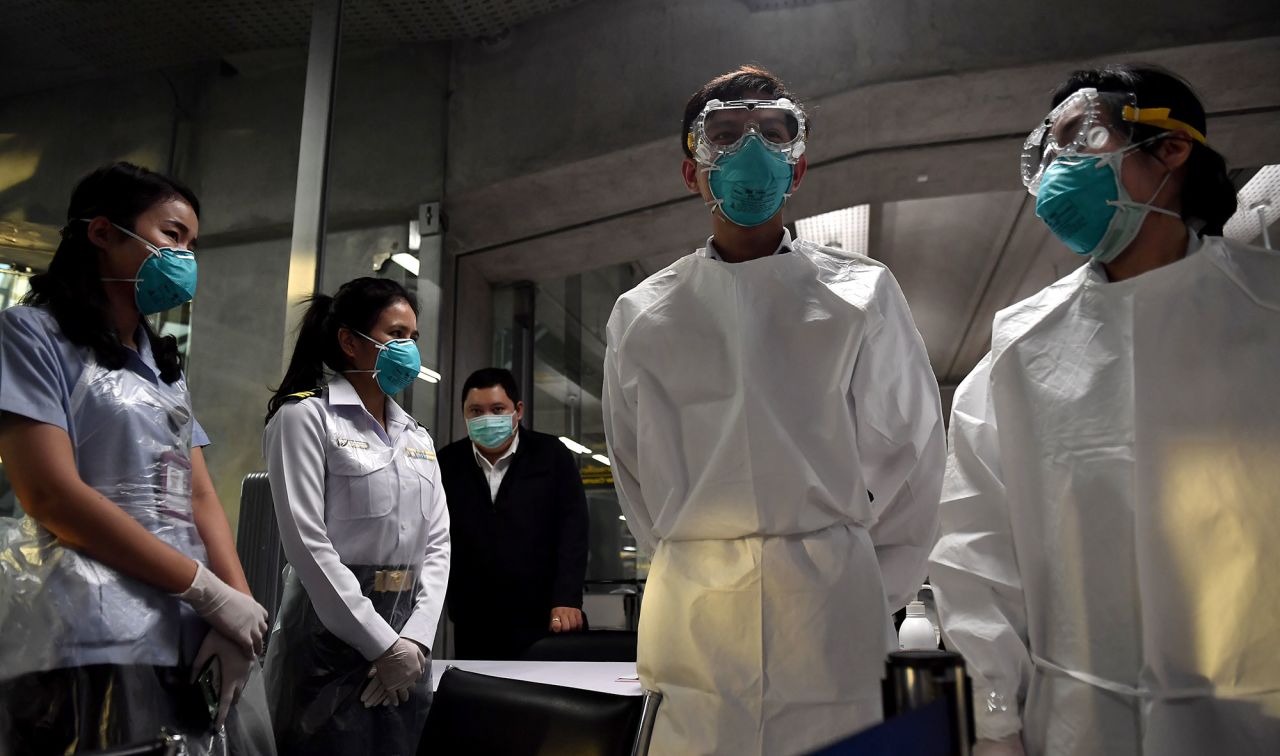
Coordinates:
x,y
496,471
348,492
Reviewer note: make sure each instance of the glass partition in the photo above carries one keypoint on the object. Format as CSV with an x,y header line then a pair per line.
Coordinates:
x,y
570,316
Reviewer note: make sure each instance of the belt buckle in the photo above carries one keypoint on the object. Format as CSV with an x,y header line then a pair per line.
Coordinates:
x,y
391,581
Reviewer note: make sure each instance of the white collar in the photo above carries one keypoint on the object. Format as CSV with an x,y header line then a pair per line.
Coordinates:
x,y
342,394
510,452
711,253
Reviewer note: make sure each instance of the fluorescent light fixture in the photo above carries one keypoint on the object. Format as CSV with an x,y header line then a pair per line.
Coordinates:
x,y
845,229
601,459
1259,206
406,261
428,375
415,236
628,548
574,446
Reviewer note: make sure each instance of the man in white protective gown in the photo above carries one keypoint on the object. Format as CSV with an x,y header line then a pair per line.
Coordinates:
x,y
777,445
1108,560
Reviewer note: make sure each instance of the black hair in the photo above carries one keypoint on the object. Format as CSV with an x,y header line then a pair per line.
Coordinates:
x,y
357,306
488,378
1208,195
733,86
72,289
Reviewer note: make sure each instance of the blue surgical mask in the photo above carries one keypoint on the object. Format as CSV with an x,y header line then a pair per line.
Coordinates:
x,y
751,184
491,431
1083,202
397,365
166,279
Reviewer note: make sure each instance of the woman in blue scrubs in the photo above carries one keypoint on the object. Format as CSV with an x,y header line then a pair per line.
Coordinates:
x,y
121,585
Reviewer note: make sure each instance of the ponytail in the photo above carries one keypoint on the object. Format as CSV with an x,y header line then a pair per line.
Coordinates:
x,y
357,305
306,366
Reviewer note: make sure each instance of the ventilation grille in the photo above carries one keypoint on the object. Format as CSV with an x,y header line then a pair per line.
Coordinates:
x,y
844,229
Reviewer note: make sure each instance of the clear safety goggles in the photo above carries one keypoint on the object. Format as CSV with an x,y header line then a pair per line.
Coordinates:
x,y
1090,122
721,128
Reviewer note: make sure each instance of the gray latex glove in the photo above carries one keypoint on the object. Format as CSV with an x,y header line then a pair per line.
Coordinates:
x,y
1008,746
234,666
232,613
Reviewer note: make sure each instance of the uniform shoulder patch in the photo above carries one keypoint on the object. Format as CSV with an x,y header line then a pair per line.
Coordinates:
x,y
299,396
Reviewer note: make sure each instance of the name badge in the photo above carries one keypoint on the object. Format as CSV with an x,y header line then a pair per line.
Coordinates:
x,y
353,443
426,454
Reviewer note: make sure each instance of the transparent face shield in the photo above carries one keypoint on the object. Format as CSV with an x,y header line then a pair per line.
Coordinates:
x,y
723,127
1088,122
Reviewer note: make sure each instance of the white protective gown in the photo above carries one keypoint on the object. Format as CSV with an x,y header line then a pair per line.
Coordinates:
x,y
750,408
1109,562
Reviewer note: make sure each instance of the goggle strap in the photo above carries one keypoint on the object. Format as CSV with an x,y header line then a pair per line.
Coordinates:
x,y
1159,117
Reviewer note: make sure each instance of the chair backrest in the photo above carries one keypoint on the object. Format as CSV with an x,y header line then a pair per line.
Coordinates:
x,y
481,714
258,542
592,646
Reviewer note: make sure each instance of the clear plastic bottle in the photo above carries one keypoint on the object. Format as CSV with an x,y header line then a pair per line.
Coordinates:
x,y
917,631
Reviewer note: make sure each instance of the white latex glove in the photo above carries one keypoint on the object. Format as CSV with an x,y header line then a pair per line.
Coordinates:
x,y
400,666
232,613
233,666
376,693
1007,746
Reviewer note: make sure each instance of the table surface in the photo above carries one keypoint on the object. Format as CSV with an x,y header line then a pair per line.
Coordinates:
x,y
598,676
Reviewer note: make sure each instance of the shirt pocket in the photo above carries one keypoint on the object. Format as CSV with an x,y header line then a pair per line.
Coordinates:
x,y
427,474
361,483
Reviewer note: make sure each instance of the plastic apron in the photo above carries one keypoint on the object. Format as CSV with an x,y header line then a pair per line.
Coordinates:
x,y
1139,428
62,610
765,624
315,678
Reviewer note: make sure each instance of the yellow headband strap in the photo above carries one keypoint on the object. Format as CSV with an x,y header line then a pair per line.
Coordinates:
x,y
689,141
1159,117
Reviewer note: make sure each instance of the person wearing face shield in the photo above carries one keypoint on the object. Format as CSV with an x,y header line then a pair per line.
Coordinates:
x,y
518,514
124,607
364,525
1107,561
777,446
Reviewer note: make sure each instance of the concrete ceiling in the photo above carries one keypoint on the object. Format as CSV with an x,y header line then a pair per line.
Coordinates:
x,y
47,43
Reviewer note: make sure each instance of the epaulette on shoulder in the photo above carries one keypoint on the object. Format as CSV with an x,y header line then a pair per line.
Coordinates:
x,y
304,395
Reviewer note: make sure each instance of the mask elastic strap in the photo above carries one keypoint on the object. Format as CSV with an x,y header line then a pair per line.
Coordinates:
x,y
154,249
380,347
1147,205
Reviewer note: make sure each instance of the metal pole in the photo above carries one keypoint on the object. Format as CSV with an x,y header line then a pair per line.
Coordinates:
x,y
525,337
1261,210
306,252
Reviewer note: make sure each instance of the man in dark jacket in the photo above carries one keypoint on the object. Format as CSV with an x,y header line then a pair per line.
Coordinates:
x,y
518,518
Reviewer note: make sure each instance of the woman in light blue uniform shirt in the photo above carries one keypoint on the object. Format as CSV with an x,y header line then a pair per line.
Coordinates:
x,y
364,525
122,582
